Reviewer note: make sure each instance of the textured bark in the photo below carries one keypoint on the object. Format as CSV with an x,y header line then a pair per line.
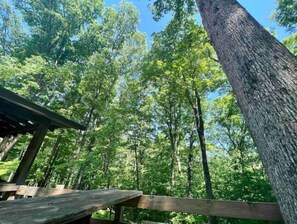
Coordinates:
x,y
263,74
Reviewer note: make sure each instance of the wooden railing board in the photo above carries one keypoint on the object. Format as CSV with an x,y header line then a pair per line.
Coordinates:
x,y
7,187
231,209
41,191
34,191
61,208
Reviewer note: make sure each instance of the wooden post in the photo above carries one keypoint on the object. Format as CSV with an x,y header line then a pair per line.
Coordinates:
x,y
23,169
119,211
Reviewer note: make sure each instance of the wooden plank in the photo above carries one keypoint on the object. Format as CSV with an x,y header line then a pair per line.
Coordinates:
x,y
4,187
34,191
29,156
42,191
61,208
231,209
7,190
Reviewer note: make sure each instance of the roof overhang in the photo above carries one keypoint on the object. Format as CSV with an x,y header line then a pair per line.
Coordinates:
x,y
19,116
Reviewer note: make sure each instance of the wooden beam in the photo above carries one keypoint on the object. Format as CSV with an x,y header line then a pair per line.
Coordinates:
x,y
29,156
42,191
4,187
231,209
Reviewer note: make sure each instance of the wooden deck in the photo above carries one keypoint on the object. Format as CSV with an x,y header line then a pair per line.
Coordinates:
x,y
76,207
61,208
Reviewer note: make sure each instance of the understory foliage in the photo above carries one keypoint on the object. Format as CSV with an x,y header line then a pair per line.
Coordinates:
x,y
89,62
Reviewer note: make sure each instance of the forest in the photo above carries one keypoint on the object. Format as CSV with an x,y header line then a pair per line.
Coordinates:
x,y
160,117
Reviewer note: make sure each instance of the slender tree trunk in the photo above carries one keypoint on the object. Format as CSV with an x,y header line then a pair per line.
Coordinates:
x,y
263,74
48,170
178,161
200,131
79,182
3,144
6,146
79,177
171,125
190,165
136,165
172,155
106,160
199,125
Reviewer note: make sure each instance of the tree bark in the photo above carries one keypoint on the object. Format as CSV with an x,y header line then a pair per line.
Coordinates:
x,y
190,165
262,73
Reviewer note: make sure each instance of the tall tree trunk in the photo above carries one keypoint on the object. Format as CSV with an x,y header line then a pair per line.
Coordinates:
x,y
50,162
79,182
263,74
198,115
171,125
190,165
200,131
136,165
199,125
172,154
106,159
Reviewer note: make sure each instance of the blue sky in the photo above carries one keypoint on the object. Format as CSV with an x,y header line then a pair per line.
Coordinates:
x,y
260,9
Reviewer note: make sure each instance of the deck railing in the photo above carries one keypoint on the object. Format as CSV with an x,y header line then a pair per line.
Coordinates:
x,y
230,209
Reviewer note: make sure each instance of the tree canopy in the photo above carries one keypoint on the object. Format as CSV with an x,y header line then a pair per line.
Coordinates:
x,y
160,117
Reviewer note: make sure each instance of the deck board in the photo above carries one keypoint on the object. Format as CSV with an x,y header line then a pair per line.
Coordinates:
x,y
61,208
